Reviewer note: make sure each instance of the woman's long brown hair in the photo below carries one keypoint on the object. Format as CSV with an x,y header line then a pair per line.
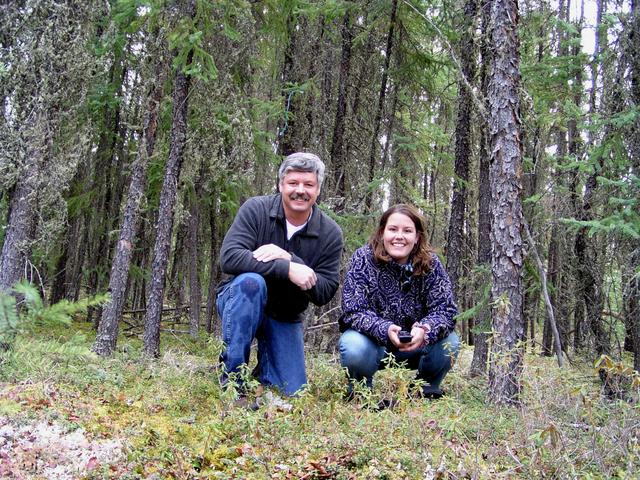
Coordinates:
x,y
422,252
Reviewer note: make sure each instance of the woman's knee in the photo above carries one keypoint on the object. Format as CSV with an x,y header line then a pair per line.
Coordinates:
x,y
441,355
358,352
451,345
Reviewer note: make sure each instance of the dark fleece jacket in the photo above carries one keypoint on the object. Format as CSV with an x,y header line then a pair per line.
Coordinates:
x,y
260,221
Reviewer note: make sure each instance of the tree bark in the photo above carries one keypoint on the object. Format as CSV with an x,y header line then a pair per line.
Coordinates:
x,y
195,291
16,248
374,151
338,159
164,225
506,209
107,335
463,148
633,289
213,265
481,348
289,135
98,217
588,269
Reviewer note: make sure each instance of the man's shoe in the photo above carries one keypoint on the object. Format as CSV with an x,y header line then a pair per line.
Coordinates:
x,y
274,401
387,404
430,393
243,402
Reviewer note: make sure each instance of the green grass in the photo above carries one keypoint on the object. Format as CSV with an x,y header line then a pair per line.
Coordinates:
x,y
176,422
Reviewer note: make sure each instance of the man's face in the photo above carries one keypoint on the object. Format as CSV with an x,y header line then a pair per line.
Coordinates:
x,y
299,192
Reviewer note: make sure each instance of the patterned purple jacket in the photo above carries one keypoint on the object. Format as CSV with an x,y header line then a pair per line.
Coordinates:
x,y
373,299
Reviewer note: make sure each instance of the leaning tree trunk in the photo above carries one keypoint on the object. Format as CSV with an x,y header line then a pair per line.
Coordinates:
x,y
506,208
463,148
164,225
107,335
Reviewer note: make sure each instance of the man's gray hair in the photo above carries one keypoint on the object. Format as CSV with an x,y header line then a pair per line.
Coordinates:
x,y
302,162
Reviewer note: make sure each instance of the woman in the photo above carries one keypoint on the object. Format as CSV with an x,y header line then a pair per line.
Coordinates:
x,y
396,283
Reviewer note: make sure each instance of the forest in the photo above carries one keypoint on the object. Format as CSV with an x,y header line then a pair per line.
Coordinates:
x,y
133,130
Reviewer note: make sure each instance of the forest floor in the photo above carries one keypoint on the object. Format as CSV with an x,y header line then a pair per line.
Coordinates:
x,y
67,414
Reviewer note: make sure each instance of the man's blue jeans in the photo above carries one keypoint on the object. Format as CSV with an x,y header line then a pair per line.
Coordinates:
x,y
363,358
280,344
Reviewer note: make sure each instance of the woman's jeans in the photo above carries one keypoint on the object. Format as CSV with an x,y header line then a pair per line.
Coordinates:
x,y
363,357
241,305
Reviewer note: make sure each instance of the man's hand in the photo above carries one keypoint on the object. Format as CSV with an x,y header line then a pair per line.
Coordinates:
x,y
270,252
302,276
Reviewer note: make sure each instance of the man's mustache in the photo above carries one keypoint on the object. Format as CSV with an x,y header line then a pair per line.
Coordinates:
x,y
299,196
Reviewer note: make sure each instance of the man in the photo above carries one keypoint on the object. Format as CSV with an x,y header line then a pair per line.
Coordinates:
x,y
282,252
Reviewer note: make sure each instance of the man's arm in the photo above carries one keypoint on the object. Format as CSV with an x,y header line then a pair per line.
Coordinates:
x,y
242,239
327,270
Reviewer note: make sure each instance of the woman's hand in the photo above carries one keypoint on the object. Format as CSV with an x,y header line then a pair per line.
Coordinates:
x,y
417,338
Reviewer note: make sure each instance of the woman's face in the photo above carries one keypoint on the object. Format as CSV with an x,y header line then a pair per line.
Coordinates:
x,y
399,237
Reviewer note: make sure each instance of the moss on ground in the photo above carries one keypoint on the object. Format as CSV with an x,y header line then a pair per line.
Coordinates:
x,y
173,420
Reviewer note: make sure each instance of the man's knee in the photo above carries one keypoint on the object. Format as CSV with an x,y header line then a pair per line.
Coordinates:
x,y
242,304
251,284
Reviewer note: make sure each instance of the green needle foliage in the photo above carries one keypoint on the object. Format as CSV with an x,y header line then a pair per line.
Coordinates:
x,y
31,312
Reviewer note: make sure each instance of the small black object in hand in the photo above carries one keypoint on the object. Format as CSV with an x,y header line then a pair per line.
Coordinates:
x,y
404,336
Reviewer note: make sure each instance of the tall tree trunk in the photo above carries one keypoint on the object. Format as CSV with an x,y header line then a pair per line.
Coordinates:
x,y
463,148
480,350
288,132
195,291
483,322
16,249
213,264
98,217
588,272
178,270
107,335
633,287
168,194
506,208
558,255
402,167
374,151
338,159
575,147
